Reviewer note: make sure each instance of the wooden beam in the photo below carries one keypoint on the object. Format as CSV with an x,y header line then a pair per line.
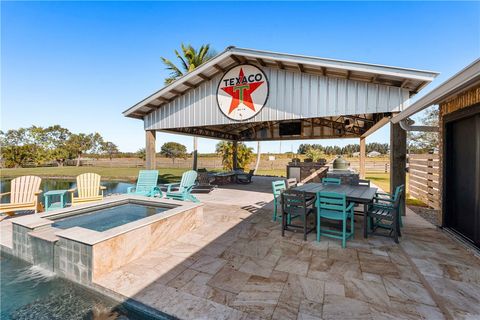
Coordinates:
x,y
280,64
375,127
362,156
190,85
236,59
150,142
216,66
374,78
404,83
175,92
348,74
261,62
235,155
398,159
204,77
324,71
300,67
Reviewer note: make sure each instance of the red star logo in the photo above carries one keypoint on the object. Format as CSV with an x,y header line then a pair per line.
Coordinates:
x,y
241,92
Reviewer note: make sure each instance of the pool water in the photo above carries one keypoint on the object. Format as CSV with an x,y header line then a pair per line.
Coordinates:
x,y
104,219
29,292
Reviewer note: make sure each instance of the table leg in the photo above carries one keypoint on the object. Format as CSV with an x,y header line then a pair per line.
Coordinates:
x,y
365,220
46,203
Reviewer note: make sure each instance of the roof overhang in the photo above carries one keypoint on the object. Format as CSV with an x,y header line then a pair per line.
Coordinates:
x,y
409,79
461,81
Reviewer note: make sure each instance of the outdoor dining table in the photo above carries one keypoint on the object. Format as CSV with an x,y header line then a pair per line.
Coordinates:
x,y
354,193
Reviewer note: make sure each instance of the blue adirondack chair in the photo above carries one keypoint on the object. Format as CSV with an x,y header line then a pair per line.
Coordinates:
x,y
277,188
333,206
146,184
182,191
331,181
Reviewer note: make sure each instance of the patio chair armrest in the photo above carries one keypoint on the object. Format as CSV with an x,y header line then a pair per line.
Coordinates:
x,y
350,207
103,188
72,190
384,199
377,194
4,194
39,192
170,186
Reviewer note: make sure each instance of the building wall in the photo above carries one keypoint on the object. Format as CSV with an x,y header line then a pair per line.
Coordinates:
x,y
292,95
457,102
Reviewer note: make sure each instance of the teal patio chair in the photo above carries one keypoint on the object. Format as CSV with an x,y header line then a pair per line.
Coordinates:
x,y
333,206
182,191
146,184
331,181
277,188
387,198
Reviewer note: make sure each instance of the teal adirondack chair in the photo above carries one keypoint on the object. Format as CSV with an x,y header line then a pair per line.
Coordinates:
x,y
182,191
331,181
277,188
146,184
333,206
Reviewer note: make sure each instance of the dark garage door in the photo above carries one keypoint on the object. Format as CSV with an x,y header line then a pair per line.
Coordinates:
x,y
462,173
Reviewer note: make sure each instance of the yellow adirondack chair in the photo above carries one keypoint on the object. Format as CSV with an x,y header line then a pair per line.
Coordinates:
x,y
88,189
24,192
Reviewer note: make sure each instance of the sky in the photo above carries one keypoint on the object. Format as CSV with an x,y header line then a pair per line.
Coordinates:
x,y
80,64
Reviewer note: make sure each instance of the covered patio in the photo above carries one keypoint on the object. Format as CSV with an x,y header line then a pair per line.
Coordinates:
x,y
287,97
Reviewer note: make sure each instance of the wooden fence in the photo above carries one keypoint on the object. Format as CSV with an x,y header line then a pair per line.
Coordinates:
x,y
424,178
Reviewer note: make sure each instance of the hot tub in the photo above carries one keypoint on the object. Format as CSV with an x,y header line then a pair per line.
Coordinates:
x,y
85,242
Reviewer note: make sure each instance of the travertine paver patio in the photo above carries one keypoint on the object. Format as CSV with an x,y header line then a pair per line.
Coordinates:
x,y
237,266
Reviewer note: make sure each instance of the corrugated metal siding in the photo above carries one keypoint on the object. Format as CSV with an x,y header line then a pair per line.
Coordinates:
x,y
292,95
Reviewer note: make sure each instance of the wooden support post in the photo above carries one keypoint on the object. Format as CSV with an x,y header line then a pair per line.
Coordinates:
x,y
362,155
235,155
195,154
398,158
150,138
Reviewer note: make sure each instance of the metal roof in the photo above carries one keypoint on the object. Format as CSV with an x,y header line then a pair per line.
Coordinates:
x,y
407,79
462,80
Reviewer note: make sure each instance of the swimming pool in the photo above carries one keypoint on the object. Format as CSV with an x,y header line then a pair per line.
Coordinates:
x,y
108,218
30,292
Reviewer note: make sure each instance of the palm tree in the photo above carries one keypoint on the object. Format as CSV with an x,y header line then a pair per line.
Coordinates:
x,y
190,60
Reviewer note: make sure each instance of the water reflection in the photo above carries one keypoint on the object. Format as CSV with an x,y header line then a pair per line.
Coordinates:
x,y
113,187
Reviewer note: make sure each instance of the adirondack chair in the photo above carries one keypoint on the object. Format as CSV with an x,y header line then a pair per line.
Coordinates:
x,y
88,189
24,192
146,184
182,191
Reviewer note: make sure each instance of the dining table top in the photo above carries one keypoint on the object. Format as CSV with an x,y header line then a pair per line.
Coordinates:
x,y
356,193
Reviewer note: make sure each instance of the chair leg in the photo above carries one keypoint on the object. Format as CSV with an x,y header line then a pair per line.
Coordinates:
x,y
284,219
352,225
305,227
274,209
344,233
318,227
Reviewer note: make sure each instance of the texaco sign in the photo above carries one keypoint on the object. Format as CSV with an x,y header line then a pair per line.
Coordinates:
x,y
242,92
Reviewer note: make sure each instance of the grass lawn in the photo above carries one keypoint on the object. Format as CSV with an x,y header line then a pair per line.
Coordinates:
x,y
107,173
381,179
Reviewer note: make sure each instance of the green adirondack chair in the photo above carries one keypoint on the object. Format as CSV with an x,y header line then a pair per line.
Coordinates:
x,y
182,191
333,206
146,184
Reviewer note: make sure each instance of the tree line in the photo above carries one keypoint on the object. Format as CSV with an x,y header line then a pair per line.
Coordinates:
x,y
349,149
40,145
